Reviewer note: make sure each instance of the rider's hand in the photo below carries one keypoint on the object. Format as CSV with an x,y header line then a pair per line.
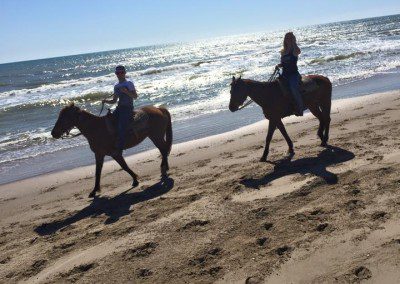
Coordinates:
x,y
124,90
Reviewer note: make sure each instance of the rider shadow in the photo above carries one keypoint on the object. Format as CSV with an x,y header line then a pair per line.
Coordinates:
x,y
114,208
315,165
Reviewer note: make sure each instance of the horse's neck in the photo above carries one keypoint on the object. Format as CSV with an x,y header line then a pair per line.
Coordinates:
x,y
258,91
85,123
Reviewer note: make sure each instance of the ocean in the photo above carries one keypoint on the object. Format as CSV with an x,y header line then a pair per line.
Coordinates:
x,y
191,79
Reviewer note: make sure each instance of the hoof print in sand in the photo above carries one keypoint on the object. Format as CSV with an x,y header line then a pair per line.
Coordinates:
x,y
36,267
354,204
261,241
321,227
260,213
195,224
142,251
144,272
253,280
379,215
283,250
79,269
268,226
362,273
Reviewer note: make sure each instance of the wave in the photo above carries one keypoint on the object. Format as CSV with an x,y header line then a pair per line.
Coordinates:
x,y
90,98
337,57
152,71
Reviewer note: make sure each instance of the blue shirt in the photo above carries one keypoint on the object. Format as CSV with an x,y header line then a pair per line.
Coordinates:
x,y
124,99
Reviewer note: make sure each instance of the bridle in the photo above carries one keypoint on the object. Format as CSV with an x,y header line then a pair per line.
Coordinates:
x,y
271,78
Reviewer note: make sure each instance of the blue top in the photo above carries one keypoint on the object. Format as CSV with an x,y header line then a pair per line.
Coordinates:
x,y
123,99
289,64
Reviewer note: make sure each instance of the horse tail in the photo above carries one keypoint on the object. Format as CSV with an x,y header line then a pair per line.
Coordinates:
x,y
168,132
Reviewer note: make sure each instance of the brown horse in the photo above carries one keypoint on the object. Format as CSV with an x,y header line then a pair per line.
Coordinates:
x,y
276,105
102,143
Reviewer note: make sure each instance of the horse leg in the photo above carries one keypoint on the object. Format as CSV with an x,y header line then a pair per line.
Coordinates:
x,y
161,144
326,134
318,114
326,114
271,130
282,129
121,161
99,167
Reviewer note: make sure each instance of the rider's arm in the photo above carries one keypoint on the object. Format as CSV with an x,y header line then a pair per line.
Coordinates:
x,y
130,90
112,101
131,93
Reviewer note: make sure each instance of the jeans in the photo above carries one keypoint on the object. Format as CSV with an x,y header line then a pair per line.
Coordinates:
x,y
294,84
124,116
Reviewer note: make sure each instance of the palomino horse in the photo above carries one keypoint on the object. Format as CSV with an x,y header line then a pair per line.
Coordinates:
x,y
102,142
275,105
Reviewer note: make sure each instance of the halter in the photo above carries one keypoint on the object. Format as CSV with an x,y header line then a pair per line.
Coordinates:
x,y
271,78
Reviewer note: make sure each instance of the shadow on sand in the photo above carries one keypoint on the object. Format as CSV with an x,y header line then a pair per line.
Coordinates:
x,y
315,165
114,207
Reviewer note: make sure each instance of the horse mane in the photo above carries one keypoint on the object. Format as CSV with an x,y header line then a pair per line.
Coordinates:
x,y
259,83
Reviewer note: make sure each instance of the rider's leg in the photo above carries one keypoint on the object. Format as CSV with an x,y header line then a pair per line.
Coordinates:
x,y
294,82
123,122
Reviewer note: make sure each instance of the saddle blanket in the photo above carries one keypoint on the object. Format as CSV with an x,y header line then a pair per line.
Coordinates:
x,y
139,122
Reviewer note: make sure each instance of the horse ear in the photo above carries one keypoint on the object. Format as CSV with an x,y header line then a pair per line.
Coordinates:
x,y
233,79
240,77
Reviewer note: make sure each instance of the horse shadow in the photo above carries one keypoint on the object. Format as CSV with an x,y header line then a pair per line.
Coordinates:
x,y
114,208
314,165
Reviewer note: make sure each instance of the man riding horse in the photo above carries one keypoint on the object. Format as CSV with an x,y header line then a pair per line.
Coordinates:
x,y
124,93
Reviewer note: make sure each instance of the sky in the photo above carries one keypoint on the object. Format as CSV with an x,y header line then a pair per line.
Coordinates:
x,y
49,28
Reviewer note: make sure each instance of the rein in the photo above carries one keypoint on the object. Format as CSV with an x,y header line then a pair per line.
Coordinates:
x,y
68,136
271,78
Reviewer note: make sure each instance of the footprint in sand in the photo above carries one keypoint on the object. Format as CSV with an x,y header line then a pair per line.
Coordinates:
x,y
261,241
322,227
80,269
195,223
267,226
362,273
144,272
379,215
354,204
253,280
283,250
141,251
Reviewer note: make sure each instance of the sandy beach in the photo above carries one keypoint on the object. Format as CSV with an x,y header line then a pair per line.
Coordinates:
x,y
326,215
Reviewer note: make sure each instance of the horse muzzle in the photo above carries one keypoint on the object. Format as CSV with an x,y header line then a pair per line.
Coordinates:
x,y
233,108
56,134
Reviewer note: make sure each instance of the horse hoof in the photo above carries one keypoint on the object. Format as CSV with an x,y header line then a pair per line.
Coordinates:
x,y
135,183
92,194
324,144
263,159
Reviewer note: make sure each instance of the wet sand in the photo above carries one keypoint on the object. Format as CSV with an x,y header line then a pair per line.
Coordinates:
x,y
326,215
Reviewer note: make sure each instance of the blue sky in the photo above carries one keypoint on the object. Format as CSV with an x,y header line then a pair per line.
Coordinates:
x,y
48,28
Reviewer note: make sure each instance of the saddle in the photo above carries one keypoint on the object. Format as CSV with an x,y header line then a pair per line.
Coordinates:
x,y
307,85
138,123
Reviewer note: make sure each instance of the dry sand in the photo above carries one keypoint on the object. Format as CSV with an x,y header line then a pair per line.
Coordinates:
x,y
328,215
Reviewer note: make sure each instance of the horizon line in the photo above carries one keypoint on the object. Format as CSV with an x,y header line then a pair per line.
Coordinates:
x,y
188,41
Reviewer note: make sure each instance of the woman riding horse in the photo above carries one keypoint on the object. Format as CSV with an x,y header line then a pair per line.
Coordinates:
x,y
275,105
289,56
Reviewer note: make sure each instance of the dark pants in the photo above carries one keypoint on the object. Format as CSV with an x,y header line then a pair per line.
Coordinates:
x,y
294,85
124,116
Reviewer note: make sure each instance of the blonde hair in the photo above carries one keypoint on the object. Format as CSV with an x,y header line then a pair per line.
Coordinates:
x,y
290,45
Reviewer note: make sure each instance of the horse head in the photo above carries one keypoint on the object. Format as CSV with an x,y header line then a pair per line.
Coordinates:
x,y
67,119
238,94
